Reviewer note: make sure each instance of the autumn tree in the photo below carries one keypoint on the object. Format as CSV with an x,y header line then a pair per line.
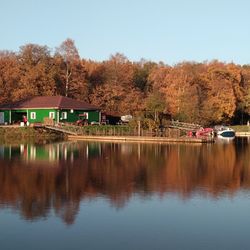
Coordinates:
x,y
94,73
118,71
155,104
36,72
67,55
117,92
71,76
9,76
175,83
219,101
243,107
141,79
182,96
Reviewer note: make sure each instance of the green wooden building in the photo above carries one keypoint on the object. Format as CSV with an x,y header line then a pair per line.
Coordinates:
x,y
58,108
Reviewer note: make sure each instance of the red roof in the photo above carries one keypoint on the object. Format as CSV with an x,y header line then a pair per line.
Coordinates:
x,y
58,102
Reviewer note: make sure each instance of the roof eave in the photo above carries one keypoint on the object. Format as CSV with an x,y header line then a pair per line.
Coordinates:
x,y
25,108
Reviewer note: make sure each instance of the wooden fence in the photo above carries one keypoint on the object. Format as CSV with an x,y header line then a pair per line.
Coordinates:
x,y
118,130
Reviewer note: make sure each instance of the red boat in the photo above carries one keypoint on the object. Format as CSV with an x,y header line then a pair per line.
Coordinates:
x,y
202,132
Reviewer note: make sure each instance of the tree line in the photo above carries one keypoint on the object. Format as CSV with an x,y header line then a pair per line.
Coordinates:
x,y
206,93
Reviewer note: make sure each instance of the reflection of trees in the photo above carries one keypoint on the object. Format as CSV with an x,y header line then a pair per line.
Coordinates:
x,y
117,171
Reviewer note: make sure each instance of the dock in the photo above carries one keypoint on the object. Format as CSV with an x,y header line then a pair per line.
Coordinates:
x,y
75,133
242,134
140,139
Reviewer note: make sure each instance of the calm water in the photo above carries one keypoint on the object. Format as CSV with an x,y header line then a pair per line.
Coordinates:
x,y
125,196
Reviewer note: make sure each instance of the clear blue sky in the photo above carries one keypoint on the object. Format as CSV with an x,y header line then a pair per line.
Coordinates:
x,y
160,30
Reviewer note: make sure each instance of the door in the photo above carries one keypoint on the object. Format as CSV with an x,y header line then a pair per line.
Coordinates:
x,y
1,117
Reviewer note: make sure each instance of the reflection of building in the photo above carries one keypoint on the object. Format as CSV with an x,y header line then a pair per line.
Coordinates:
x,y
93,150
57,108
50,153
41,153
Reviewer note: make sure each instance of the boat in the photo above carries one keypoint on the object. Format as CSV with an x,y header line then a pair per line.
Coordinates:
x,y
201,132
204,132
224,132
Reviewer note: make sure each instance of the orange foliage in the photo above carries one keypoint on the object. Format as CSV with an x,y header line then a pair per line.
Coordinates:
x,y
205,93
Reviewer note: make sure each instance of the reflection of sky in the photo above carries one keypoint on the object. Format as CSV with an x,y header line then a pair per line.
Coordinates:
x,y
150,223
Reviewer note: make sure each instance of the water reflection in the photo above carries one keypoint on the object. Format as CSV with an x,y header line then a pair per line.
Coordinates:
x,y
36,180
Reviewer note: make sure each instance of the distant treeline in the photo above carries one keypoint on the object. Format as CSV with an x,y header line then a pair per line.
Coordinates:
x,y
206,93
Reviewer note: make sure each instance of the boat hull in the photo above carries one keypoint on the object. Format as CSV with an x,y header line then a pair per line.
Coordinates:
x,y
226,133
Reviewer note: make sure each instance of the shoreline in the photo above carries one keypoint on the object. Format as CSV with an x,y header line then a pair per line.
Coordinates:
x,y
17,133
141,139
242,134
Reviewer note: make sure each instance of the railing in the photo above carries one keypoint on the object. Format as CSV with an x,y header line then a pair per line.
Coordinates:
x,y
101,130
61,130
116,130
173,129
184,126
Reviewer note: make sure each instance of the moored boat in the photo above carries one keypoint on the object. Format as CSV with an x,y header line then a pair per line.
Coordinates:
x,y
224,132
201,133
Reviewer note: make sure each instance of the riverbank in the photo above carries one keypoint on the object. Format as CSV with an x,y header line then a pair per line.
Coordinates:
x,y
9,134
241,128
14,134
141,139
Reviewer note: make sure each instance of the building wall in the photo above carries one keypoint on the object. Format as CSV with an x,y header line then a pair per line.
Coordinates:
x,y
93,116
6,115
40,114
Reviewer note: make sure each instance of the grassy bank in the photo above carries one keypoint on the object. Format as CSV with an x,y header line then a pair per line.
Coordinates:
x,y
241,128
26,134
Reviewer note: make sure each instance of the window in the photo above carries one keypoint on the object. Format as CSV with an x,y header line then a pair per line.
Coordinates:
x,y
86,115
33,115
52,115
64,115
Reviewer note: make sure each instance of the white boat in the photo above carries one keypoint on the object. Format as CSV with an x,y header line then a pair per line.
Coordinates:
x,y
224,132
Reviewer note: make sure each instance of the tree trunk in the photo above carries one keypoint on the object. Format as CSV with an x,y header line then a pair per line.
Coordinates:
x,y
68,74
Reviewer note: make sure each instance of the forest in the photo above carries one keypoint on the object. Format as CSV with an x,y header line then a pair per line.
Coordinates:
x,y
207,93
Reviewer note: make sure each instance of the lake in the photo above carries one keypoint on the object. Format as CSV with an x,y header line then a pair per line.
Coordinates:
x,y
91,195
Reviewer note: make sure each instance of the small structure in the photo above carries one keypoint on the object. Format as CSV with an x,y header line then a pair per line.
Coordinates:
x,y
41,108
111,118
